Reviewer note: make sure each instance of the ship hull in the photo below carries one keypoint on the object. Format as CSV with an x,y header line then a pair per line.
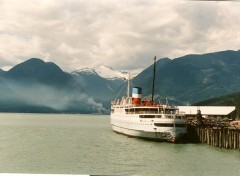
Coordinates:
x,y
154,136
169,134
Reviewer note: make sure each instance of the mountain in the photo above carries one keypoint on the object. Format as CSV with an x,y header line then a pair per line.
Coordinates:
x,y
100,83
108,82
232,99
2,72
38,86
193,78
36,70
107,72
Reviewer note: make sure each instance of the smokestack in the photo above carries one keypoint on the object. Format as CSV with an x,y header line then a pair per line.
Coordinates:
x,y
136,95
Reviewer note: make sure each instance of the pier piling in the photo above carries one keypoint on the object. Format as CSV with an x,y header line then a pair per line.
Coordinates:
x,y
222,137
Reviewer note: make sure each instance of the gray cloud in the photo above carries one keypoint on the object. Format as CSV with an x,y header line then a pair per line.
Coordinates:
x,y
123,34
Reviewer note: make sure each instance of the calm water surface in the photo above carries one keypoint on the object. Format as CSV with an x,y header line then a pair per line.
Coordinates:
x,y
85,144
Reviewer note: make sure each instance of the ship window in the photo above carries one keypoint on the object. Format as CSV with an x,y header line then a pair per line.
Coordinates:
x,y
146,110
150,116
179,117
169,117
112,110
180,125
170,111
164,124
129,111
169,125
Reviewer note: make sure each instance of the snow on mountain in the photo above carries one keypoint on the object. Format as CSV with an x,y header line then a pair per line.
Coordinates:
x,y
6,68
108,72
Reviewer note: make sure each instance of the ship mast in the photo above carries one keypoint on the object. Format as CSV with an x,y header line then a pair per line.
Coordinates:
x,y
153,85
128,86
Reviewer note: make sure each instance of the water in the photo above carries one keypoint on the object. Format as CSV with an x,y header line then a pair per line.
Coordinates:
x,y
84,144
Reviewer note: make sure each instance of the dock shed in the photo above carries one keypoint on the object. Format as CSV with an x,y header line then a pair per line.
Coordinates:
x,y
210,112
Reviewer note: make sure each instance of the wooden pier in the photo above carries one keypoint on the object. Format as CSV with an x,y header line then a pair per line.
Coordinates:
x,y
222,136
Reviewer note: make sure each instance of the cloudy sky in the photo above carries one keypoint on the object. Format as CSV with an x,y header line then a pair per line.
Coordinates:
x,y
123,34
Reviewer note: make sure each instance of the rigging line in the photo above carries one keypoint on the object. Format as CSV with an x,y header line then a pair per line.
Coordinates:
x,y
121,90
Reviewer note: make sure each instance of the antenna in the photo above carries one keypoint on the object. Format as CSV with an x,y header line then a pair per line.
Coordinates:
x,y
153,85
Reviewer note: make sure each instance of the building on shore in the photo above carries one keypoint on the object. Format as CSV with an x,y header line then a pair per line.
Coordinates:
x,y
210,112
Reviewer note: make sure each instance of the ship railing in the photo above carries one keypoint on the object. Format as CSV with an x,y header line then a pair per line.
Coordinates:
x,y
121,106
142,112
126,101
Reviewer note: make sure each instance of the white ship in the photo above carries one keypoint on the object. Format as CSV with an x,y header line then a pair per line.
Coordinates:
x,y
135,117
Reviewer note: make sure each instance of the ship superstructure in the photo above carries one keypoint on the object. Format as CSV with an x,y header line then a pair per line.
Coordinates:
x,y
135,117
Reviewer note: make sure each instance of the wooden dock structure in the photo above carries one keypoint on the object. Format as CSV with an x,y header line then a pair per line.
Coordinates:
x,y
223,136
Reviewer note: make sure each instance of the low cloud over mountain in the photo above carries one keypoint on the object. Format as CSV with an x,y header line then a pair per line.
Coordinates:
x,y
38,86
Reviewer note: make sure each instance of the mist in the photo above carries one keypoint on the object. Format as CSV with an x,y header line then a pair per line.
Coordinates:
x,y
40,95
